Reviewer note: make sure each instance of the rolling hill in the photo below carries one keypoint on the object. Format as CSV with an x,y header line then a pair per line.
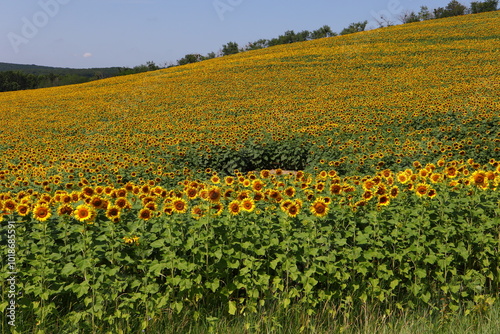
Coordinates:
x,y
377,99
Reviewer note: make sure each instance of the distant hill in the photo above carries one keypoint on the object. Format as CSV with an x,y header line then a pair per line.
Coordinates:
x,y
45,70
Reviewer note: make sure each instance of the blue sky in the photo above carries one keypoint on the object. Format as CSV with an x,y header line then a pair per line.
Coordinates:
x,y
102,33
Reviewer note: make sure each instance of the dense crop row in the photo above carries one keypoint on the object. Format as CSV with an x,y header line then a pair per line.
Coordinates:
x,y
424,236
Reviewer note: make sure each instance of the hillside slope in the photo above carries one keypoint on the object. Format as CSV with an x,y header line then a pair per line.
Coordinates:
x,y
358,102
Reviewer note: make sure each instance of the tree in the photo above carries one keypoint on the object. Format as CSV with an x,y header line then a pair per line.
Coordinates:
x,y
230,49
354,27
324,31
190,58
424,13
210,55
152,66
484,6
260,44
453,8
409,17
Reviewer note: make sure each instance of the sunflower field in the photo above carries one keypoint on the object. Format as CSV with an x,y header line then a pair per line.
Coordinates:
x,y
358,169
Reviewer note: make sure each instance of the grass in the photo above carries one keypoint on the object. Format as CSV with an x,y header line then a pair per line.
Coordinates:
x,y
368,321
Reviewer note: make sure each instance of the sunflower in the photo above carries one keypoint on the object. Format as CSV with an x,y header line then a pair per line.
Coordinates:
x,y
214,194
64,210
122,203
122,192
229,180
336,189
83,213
386,173
390,180
479,178
381,190
319,208
113,213
22,209
393,193
290,191
367,195
218,207
197,212
41,212
145,214
215,179
151,206
242,195
9,205
228,193
191,193
75,196
360,203
274,194
349,189
320,186
247,204
293,210
97,202
432,193
246,183
368,185
257,185
265,173
436,178
179,205
168,208
234,207
383,200
258,196
285,204
66,199
134,240
145,189
451,172
423,172
403,177
88,191
422,189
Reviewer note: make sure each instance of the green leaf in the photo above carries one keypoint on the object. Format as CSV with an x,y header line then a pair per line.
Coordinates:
x,y
157,268
158,243
426,297
232,307
421,273
68,269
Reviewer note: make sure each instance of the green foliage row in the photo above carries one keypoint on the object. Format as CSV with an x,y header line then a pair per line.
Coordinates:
x,y
433,136
439,253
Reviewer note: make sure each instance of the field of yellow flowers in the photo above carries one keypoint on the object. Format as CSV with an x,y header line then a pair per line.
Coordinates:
x,y
164,191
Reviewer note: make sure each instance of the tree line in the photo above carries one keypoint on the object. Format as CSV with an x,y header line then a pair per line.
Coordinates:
x,y
20,77
454,8
18,80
